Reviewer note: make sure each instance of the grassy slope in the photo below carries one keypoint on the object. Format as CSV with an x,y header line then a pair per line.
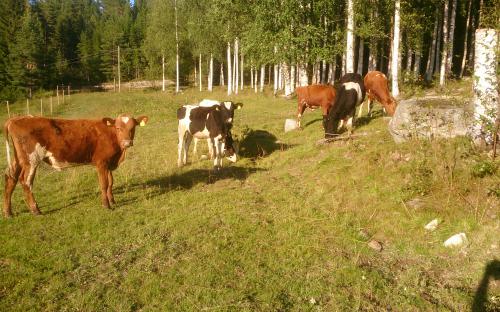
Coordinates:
x,y
278,230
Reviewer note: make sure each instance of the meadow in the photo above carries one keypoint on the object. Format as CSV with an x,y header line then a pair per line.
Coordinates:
x,y
286,228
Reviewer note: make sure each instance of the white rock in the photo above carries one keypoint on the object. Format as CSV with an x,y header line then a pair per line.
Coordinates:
x,y
456,240
203,157
290,124
431,226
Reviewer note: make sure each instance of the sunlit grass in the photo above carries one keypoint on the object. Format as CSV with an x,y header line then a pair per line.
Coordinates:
x,y
278,230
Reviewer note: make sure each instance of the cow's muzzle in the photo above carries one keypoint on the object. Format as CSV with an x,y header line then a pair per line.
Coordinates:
x,y
127,143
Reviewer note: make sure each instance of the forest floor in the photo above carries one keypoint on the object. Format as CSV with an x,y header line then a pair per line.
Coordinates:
x,y
288,227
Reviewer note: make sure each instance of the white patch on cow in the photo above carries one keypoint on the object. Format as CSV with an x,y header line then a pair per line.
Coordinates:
x,y
354,86
38,154
125,119
229,120
228,105
208,103
56,164
204,134
232,158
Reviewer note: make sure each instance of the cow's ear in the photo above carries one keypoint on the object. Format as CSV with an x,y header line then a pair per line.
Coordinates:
x,y
141,120
239,105
108,121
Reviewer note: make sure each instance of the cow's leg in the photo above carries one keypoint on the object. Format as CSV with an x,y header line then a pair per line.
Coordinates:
x,y
349,125
102,172
210,149
11,178
195,147
300,112
360,112
218,153
180,146
109,192
370,106
187,140
27,178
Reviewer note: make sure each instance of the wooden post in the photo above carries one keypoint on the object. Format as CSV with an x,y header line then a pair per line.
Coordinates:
x,y
51,106
8,109
63,95
41,107
27,106
119,76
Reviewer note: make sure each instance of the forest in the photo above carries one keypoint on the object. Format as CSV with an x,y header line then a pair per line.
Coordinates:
x,y
45,43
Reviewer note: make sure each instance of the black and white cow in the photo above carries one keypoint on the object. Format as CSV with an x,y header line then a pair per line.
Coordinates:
x,y
211,122
350,94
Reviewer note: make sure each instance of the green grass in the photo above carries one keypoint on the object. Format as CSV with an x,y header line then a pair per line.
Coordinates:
x,y
278,230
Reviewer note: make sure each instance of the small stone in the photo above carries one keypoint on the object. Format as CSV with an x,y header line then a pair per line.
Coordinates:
x,y
415,203
291,124
375,245
364,234
456,240
312,301
431,226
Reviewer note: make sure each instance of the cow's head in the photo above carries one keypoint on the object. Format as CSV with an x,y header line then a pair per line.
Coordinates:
x,y
125,125
230,149
391,108
227,109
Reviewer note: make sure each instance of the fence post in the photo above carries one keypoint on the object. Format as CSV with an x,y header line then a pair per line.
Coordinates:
x,y
41,107
51,105
57,94
8,109
63,95
27,106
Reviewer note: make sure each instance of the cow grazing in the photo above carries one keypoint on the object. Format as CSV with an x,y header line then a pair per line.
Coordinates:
x,y
211,122
350,93
377,89
314,96
62,143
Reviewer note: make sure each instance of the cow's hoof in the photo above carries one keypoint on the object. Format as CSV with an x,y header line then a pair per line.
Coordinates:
x,y
7,215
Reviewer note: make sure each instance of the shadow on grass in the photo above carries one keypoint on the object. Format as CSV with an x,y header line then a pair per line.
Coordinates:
x,y
313,121
491,271
259,143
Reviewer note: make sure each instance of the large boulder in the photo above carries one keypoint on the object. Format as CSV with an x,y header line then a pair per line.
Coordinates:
x,y
429,118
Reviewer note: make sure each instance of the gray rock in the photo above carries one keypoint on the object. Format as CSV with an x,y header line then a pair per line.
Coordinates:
x,y
375,245
429,118
290,124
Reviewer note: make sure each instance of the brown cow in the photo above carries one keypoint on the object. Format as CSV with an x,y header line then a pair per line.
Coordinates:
x,y
377,88
62,143
315,96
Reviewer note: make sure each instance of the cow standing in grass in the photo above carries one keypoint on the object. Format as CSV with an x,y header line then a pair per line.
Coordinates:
x,y
377,89
350,93
62,143
314,96
207,122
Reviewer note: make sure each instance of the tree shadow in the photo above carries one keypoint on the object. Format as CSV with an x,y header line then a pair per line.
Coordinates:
x,y
480,303
259,143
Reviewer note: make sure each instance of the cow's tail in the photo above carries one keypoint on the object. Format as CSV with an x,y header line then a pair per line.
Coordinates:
x,y
7,146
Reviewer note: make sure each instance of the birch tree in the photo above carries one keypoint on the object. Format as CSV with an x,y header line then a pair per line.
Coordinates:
x,y
444,56
395,50
349,52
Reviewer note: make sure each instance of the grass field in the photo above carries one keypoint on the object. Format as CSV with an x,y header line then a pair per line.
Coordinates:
x,y
286,228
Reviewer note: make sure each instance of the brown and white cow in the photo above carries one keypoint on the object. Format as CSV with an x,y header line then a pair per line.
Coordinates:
x,y
314,96
377,89
62,143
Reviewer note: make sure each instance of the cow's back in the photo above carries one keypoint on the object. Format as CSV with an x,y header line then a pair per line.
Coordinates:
x,y
71,141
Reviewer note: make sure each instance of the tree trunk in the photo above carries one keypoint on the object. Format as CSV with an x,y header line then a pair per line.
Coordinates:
x,y
276,69
432,51
262,77
251,76
176,50
485,86
195,74
331,73
211,74
221,79
464,57
343,71
361,55
438,47
201,87
292,78
416,67
286,79
256,79
451,37
444,56
303,79
229,71
395,51
236,65
163,72
350,38
241,71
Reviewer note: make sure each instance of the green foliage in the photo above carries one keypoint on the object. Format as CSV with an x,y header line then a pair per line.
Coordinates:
x,y
484,168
